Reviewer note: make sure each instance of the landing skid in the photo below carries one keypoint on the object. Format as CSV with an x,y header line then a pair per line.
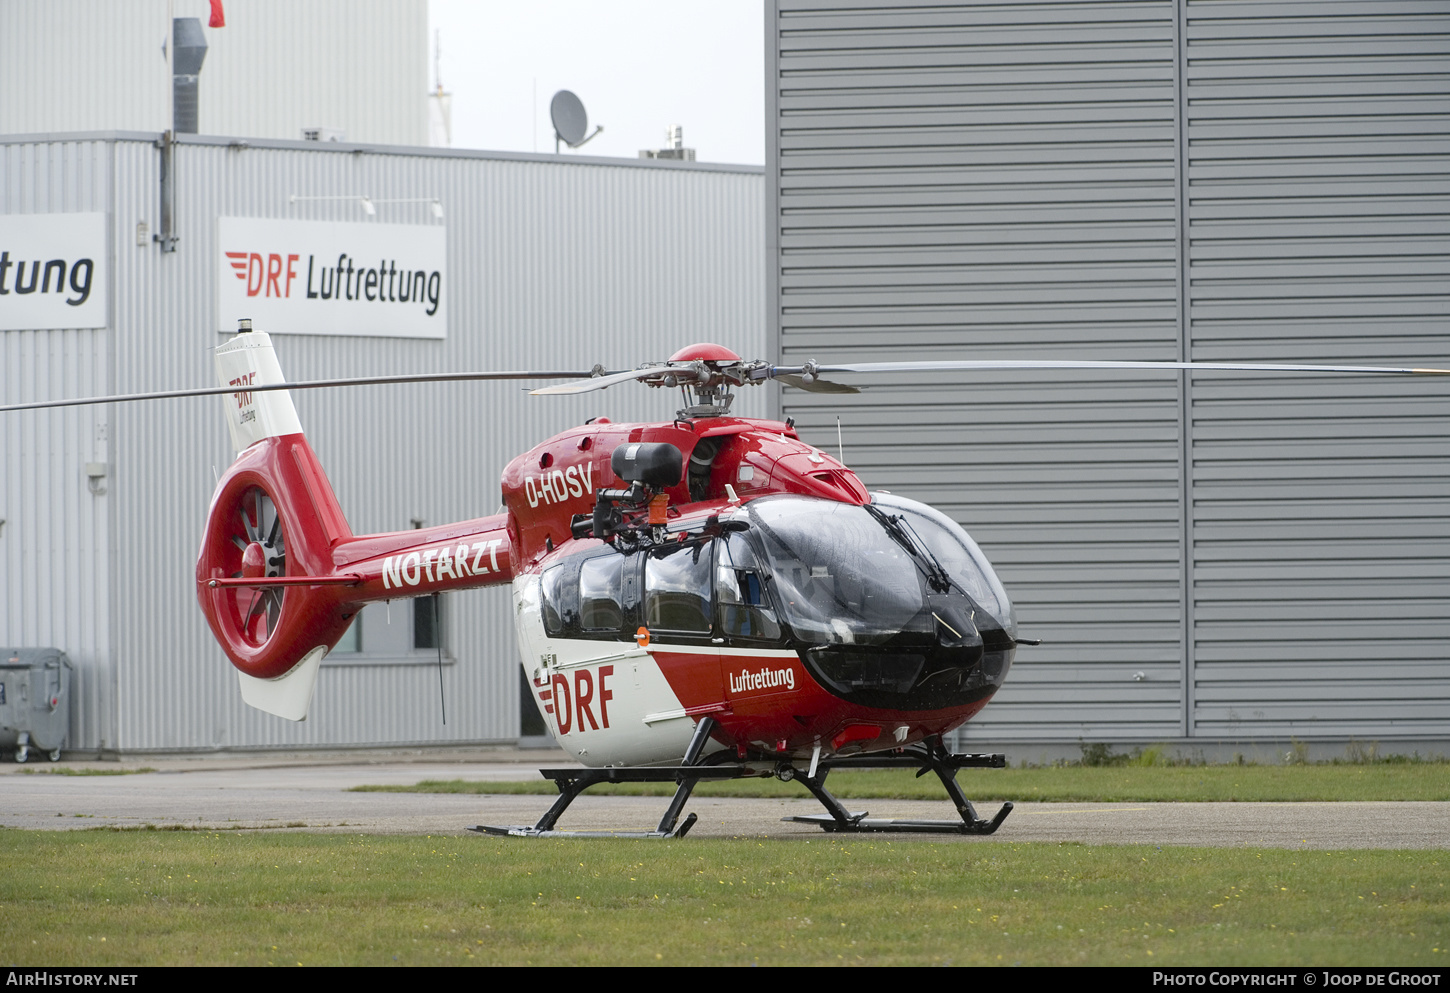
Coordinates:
x,y
930,756
535,832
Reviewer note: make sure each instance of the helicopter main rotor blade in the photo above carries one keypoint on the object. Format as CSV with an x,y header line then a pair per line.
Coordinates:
x,y
804,377
682,374
968,365
313,384
815,385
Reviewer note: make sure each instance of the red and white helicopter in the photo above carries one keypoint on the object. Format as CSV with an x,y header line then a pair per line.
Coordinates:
x,y
708,597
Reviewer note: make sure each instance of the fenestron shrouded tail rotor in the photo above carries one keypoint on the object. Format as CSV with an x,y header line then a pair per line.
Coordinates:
x,y
263,528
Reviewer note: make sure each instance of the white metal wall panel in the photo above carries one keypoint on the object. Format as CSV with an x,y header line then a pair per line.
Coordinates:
x,y
278,66
55,570
357,65
976,181
82,65
553,262
1318,194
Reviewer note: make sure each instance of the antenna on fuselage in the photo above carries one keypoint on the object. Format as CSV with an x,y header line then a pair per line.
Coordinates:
x,y
438,637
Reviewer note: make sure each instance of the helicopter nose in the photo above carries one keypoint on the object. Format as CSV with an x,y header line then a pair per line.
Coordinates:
x,y
956,629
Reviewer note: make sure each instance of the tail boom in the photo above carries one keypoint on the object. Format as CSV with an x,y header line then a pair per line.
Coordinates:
x,y
459,556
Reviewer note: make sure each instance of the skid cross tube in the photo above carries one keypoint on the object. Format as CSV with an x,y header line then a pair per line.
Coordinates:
x,y
838,817
687,784
930,756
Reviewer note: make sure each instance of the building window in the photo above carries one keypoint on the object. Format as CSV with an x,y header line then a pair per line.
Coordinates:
x,y
351,642
427,611
390,633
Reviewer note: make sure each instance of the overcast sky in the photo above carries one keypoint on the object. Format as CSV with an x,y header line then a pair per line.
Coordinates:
x,y
638,66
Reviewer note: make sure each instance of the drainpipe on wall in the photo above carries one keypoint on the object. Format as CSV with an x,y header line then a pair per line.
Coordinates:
x,y
186,53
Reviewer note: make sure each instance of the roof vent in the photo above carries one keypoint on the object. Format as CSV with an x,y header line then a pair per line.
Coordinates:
x,y
675,142
188,53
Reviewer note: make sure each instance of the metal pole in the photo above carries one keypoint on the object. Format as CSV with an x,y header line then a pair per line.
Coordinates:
x,y
166,238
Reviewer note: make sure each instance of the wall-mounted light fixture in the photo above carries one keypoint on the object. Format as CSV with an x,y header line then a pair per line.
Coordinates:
x,y
435,206
369,204
365,202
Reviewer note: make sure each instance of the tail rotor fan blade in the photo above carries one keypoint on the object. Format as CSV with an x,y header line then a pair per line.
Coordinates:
x,y
251,519
274,609
275,531
256,612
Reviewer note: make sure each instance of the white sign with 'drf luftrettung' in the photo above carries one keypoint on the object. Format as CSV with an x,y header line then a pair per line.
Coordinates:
x,y
319,277
53,271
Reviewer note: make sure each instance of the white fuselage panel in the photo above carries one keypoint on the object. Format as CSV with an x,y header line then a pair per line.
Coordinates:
x,y
605,702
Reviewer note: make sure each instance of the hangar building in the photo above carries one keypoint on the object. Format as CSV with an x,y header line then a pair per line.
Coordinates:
x,y
1209,559
544,262
1213,562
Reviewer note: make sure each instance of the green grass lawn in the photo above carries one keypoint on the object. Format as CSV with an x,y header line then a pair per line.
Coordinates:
x,y
102,898
1281,783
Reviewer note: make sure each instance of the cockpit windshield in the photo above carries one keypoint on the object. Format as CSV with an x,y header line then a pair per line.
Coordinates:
x,y
851,575
955,551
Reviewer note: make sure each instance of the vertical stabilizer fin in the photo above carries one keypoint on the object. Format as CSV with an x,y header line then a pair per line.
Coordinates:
x,y
249,360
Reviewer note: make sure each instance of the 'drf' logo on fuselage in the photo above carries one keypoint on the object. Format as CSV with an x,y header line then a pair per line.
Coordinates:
x,y
571,699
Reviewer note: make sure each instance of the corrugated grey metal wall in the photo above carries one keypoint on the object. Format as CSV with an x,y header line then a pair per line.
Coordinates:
x,y
1316,194
553,262
56,576
1147,180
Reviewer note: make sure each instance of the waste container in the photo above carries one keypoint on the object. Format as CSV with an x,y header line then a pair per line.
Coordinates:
x,y
34,700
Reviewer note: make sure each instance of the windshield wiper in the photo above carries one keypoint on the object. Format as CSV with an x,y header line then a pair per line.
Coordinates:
x,y
905,535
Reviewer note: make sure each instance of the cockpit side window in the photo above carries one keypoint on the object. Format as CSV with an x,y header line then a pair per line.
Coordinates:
x,y
560,591
601,595
598,594
591,595
743,607
677,589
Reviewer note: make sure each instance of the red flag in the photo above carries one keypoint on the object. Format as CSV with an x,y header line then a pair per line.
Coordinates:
x,y
218,18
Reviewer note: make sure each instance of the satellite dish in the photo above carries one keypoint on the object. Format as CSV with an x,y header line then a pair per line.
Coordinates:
x,y
570,119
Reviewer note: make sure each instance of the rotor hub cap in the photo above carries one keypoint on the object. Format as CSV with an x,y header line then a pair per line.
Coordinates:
x,y
254,561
